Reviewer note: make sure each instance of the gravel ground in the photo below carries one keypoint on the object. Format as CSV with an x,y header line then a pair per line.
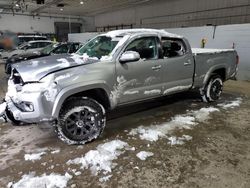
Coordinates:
x,y
216,152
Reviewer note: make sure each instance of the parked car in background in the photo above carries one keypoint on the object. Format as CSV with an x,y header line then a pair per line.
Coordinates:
x,y
118,68
26,38
31,46
52,49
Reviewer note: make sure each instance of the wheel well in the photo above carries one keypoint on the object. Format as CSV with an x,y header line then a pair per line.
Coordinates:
x,y
221,72
97,94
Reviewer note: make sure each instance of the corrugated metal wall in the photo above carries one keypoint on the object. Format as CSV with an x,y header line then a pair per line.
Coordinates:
x,y
180,13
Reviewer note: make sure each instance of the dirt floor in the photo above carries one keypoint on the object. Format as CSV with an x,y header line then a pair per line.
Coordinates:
x,y
217,155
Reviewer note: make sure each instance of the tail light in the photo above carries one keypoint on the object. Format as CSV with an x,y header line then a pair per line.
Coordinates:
x,y
237,60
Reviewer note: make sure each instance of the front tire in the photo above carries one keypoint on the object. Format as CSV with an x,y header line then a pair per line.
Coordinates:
x,y
81,120
11,118
213,89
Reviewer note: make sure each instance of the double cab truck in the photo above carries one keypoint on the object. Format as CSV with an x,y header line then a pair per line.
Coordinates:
x,y
118,68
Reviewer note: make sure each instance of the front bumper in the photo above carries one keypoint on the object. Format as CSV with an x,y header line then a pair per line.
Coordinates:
x,y
41,112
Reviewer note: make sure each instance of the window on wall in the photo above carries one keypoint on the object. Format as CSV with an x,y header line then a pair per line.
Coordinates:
x,y
146,47
113,27
173,47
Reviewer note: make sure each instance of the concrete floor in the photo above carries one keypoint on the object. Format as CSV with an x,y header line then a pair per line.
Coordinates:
x,y
217,156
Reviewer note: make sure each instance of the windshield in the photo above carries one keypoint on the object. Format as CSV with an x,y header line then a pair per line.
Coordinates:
x,y
48,48
99,47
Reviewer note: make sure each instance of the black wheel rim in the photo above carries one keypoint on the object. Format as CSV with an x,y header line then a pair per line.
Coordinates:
x,y
216,89
81,124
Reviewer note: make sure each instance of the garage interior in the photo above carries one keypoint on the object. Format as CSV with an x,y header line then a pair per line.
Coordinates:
x,y
199,144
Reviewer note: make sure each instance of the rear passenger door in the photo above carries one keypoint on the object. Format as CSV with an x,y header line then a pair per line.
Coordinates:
x,y
178,66
141,79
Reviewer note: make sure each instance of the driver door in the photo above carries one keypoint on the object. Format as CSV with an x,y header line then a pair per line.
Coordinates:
x,y
141,79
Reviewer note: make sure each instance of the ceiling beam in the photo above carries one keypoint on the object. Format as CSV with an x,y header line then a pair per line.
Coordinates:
x,y
46,5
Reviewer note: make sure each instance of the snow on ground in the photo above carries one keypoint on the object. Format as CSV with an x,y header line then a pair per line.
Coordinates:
x,y
203,114
146,134
55,151
143,155
173,140
231,104
34,156
39,152
48,181
105,178
185,121
100,160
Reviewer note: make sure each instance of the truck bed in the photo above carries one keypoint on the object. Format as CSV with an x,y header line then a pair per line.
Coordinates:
x,y
210,51
208,60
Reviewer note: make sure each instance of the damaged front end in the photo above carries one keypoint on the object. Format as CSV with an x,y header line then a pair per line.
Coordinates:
x,y
30,102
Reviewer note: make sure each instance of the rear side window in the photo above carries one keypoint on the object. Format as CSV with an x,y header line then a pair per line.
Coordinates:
x,y
43,44
173,47
146,47
33,45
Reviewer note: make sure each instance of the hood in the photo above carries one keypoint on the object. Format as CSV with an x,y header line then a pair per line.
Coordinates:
x,y
36,69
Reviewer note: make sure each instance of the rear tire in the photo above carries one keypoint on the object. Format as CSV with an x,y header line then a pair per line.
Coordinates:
x,y
81,120
213,89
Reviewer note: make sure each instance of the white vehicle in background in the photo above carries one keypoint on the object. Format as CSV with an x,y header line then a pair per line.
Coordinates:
x,y
31,46
26,38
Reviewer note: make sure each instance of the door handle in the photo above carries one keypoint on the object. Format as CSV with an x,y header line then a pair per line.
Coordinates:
x,y
156,68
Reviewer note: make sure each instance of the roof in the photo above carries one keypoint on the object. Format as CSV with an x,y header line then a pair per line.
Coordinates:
x,y
34,41
31,36
124,32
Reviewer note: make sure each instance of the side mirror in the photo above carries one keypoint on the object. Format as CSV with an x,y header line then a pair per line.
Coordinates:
x,y
129,56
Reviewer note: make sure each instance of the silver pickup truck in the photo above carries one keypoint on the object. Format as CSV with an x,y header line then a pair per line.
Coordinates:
x,y
73,92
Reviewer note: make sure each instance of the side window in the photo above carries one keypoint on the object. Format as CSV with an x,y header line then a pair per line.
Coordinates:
x,y
32,45
173,47
61,49
146,47
43,44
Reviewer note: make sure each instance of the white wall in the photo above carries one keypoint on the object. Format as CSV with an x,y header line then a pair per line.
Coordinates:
x,y
224,37
81,37
28,24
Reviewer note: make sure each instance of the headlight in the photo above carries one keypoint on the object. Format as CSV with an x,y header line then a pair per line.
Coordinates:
x,y
25,106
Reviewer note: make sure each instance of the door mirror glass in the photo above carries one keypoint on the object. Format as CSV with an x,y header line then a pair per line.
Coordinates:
x,y
129,56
